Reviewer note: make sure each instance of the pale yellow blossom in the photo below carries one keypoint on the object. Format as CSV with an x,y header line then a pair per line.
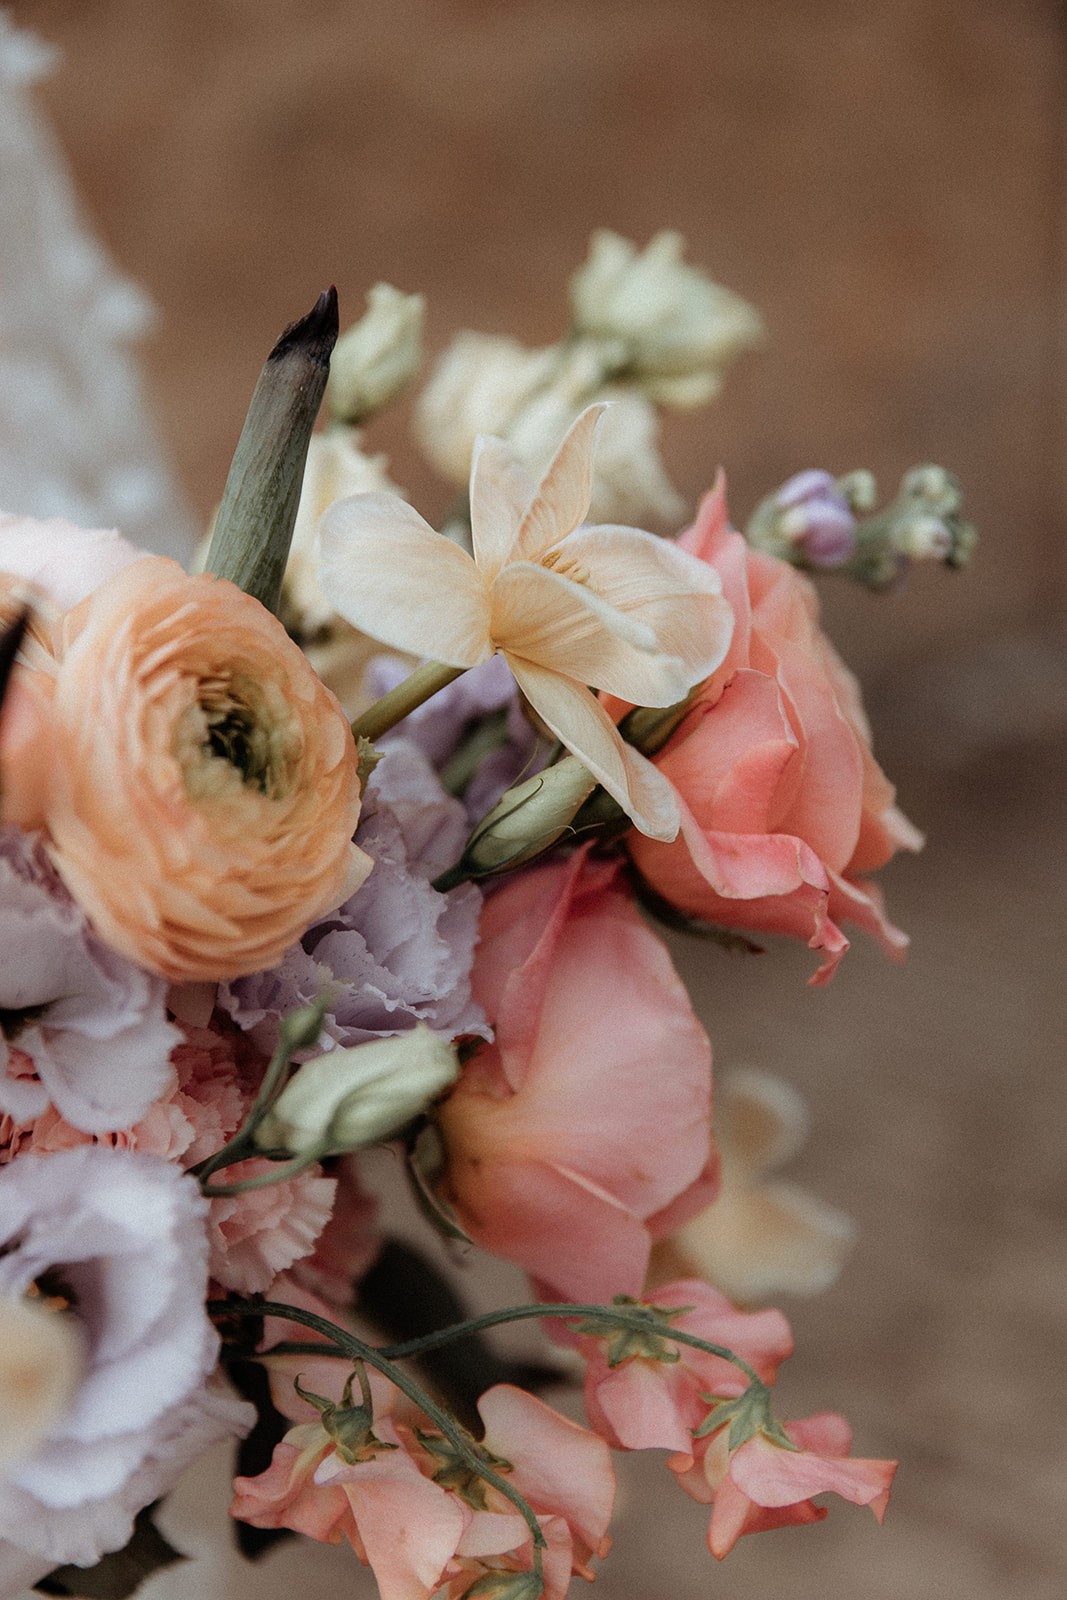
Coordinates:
x,y
571,608
762,1236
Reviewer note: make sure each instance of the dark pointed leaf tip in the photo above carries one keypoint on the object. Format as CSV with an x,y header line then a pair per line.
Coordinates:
x,y
313,335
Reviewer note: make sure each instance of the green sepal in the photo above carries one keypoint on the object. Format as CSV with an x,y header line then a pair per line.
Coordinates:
x,y
367,759
456,1473
628,1344
746,1415
506,1586
350,1427
425,1164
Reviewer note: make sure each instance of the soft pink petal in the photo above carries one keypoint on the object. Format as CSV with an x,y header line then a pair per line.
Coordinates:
x,y
773,1476
558,1465
409,1526
583,726
389,574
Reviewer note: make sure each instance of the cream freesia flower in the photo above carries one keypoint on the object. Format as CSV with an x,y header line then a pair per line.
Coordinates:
x,y
570,608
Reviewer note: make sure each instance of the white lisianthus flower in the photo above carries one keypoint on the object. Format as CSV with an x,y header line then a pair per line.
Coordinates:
x,y
570,608
374,361
115,1241
350,1098
662,325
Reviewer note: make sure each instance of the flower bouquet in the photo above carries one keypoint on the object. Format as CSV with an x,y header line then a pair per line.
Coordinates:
x,y
362,836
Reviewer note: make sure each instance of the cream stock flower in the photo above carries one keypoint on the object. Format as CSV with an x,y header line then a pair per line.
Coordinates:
x,y
662,325
570,608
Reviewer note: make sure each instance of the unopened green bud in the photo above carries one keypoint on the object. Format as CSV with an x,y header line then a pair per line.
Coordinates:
x,y
350,1098
377,359
524,823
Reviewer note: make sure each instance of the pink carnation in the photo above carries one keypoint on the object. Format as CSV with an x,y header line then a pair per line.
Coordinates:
x,y
582,1132
783,806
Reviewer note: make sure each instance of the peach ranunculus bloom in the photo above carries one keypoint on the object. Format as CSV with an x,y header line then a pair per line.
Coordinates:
x,y
570,608
582,1132
206,787
762,1484
783,805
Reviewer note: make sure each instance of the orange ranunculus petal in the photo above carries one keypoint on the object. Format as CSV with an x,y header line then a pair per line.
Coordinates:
x,y
580,722
389,574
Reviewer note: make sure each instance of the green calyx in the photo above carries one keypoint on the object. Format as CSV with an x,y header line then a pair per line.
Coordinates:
x,y
349,1426
456,1473
630,1343
745,1416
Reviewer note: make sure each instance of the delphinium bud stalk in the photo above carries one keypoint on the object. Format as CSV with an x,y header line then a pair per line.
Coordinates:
x,y
254,526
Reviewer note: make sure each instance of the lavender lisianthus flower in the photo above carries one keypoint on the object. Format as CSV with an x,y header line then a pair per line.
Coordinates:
x,y
120,1238
93,1024
398,952
486,698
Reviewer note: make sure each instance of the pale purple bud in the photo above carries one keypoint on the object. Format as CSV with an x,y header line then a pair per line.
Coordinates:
x,y
814,517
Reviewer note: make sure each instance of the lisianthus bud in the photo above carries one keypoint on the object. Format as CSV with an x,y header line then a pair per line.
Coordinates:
x,y
42,1354
808,521
662,325
376,360
525,822
349,1098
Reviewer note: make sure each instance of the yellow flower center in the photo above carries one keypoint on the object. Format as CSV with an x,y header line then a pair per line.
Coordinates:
x,y
234,737
557,560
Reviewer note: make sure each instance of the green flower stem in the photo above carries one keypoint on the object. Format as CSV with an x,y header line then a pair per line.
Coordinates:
x,y
347,1345
392,707
261,1180
611,1316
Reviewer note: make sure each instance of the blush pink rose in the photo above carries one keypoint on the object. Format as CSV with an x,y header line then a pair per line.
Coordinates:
x,y
783,806
65,561
582,1132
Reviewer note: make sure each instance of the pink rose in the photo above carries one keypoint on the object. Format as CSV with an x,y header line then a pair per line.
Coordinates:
x,y
782,802
582,1132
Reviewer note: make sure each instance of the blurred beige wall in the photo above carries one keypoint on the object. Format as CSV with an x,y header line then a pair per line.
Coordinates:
x,y
883,181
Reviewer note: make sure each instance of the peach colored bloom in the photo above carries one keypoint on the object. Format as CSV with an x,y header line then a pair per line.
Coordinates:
x,y
646,1404
582,1132
27,737
763,1485
206,789
781,800
569,608
760,1235
419,1534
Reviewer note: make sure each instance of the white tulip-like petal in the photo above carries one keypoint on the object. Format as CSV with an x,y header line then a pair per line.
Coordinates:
x,y
571,608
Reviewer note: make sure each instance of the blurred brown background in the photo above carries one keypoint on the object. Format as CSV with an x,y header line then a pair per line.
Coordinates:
x,y
886,184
